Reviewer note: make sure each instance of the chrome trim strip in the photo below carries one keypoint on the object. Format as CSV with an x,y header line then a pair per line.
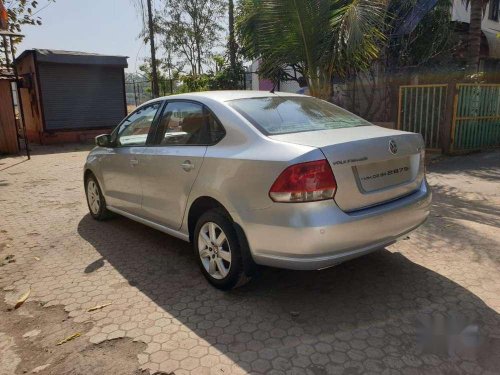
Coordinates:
x,y
161,228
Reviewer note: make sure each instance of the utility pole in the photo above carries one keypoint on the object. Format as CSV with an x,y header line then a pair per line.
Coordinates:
x,y
154,71
232,42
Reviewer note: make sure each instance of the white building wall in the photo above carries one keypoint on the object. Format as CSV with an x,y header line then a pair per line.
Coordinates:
x,y
255,77
285,86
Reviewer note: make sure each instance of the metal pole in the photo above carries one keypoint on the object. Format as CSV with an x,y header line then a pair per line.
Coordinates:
x,y
156,91
20,100
232,42
135,93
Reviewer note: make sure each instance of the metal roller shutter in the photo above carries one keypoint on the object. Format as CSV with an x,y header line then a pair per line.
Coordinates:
x,y
81,96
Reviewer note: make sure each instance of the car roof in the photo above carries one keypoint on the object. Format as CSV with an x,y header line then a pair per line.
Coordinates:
x,y
226,95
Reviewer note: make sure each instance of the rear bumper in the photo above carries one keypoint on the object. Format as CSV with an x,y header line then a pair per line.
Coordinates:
x,y
315,235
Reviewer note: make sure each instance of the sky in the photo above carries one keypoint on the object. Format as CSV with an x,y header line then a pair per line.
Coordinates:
x,y
101,26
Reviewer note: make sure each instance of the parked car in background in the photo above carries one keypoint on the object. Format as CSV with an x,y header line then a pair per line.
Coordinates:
x,y
258,178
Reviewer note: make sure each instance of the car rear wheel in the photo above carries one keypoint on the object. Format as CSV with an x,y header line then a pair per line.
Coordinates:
x,y
95,199
218,251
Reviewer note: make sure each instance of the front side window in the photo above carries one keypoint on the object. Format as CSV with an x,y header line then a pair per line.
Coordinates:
x,y
187,123
134,129
281,115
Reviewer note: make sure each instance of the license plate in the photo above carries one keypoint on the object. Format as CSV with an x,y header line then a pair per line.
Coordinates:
x,y
376,176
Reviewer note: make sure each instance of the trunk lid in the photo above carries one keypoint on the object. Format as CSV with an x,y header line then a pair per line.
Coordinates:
x,y
371,164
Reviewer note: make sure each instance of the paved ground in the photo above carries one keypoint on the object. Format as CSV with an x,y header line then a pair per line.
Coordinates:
x,y
429,304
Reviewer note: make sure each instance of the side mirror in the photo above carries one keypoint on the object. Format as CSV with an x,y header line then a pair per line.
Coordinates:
x,y
103,140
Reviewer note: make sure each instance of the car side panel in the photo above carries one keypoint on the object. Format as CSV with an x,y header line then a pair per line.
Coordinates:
x,y
240,177
94,164
121,178
166,184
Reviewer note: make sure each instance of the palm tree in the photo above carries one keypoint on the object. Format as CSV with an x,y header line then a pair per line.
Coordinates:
x,y
319,38
477,8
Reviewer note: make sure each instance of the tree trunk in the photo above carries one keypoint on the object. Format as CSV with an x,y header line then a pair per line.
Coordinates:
x,y
197,42
476,17
154,72
232,43
198,52
320,85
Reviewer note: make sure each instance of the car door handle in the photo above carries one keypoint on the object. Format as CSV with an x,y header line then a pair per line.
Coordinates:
x,y
187,166
134,162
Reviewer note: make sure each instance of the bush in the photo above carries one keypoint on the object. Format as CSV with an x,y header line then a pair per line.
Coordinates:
x,y
224,79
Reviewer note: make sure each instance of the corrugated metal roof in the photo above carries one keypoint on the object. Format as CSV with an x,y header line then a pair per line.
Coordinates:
x,y
75,57
6,74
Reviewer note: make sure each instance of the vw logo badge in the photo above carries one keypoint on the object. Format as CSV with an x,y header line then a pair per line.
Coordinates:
x,y
393,147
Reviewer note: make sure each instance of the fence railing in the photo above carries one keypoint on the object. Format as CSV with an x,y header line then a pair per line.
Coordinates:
x,y
421,110
476,117
138,92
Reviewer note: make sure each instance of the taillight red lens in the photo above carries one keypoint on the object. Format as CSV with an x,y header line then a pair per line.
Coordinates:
x,y
304,182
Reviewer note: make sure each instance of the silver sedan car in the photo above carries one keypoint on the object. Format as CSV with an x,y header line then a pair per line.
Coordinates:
x,y
257,178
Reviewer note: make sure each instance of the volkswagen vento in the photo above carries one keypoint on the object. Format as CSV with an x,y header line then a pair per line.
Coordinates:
x,y
258,178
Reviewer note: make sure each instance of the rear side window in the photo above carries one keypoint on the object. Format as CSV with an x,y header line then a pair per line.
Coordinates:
x,y
188,123
282,115
182,124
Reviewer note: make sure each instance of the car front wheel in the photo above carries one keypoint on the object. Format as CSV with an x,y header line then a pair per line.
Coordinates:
x,y
218,251
95,199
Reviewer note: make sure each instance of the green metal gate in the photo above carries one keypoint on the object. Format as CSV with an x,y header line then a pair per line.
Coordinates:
x,y
476,117
421,110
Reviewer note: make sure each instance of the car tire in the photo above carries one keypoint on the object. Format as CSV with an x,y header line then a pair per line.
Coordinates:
x,y
95,199
220,261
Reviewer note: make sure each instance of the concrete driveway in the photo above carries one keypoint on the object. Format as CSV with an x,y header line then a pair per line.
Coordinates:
x,y
130,300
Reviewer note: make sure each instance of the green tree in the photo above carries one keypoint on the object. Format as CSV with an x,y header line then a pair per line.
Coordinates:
x,y
166,85
21,13
433,41
227,76
318,39
190,29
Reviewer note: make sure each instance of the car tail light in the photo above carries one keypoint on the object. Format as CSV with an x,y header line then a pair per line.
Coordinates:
x,y
304,182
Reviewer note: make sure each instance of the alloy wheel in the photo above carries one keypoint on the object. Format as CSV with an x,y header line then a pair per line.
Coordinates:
x,y
93,196
214,250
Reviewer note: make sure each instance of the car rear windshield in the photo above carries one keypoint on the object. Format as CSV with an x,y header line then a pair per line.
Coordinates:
x,y
294,114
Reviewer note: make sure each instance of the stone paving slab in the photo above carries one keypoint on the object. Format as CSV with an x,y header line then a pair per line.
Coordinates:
x,y
428,304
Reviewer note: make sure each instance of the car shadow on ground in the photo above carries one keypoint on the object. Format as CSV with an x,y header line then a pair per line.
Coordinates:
x,y
381,301
464,226
465,215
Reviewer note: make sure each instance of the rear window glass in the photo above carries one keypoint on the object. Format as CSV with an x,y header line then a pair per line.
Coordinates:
x,y
282,115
